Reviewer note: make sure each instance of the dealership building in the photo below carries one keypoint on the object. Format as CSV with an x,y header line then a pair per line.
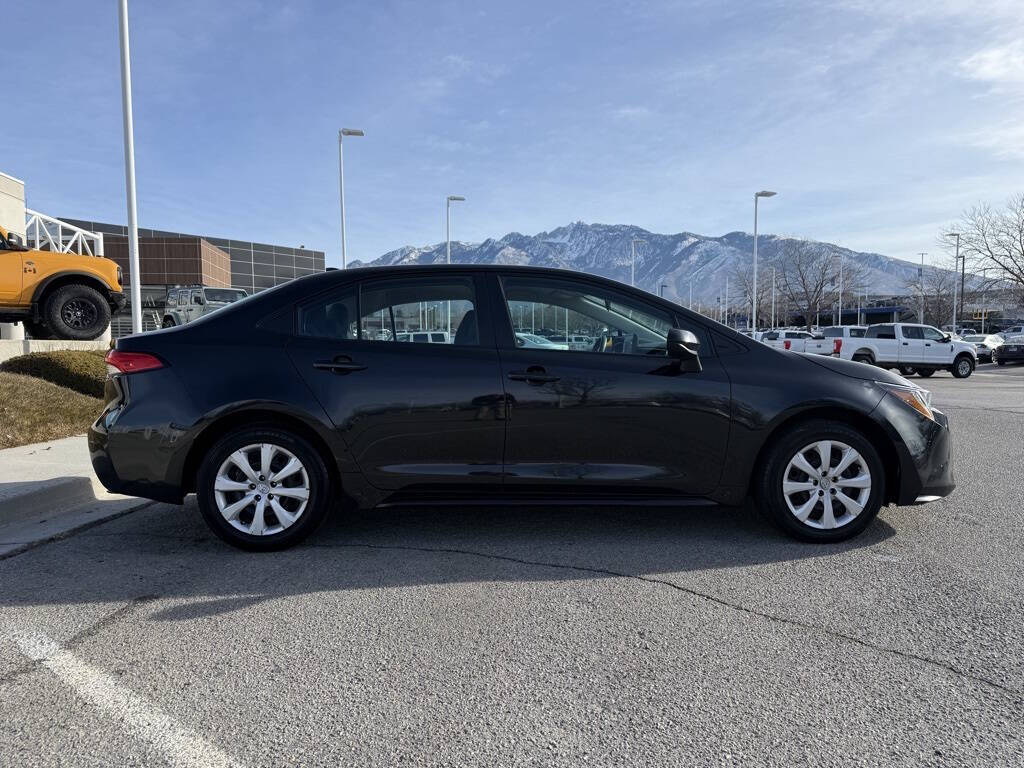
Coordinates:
x,y
169,259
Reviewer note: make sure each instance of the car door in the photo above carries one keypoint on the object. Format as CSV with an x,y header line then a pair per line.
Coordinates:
x,y
911,345
11,274
934,347
618,417
412,413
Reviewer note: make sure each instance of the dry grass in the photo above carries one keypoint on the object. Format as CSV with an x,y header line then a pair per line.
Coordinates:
x,y
81,370
33,410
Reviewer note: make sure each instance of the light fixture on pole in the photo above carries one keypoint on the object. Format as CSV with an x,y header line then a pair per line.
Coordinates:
x,y
956,259
448,245
134,276
753,315
632,262
341,185
661,290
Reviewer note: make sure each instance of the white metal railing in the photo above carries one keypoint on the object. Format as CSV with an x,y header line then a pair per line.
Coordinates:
x,y
45,233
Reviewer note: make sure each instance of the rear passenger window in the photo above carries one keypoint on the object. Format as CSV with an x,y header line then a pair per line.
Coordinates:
x,y
435,310
912,332
333,317
881,332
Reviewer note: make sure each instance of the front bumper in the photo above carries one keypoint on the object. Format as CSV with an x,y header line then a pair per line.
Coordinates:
x,y
924,451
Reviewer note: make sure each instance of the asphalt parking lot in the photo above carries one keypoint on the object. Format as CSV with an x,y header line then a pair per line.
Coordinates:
x,y
538,637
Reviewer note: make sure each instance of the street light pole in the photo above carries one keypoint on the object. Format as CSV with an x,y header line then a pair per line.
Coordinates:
x,y
773,298
632,261
134,273
448,245
920,278
753,314
956,259
341,185
690,304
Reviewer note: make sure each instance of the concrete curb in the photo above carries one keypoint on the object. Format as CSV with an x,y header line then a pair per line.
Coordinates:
x,y
29,533
24,500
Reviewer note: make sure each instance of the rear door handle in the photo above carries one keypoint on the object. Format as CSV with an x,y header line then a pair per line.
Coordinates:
x,y
341,364
535,374
906,343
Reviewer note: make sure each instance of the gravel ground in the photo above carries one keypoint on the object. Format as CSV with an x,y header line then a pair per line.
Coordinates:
x,y
537,637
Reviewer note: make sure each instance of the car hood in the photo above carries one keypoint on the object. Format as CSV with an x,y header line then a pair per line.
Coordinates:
x,y
855,370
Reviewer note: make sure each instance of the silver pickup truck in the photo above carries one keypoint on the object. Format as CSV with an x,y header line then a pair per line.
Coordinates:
x,y
187,304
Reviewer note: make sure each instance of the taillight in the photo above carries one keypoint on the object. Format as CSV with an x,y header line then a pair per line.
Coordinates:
x,y
838,347
787,344
131,362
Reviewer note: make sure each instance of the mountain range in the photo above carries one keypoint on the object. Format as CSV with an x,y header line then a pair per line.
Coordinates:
x,y
672,260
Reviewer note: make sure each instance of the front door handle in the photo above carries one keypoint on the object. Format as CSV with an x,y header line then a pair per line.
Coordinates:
x,y
535,374
927,343
906,343
341,364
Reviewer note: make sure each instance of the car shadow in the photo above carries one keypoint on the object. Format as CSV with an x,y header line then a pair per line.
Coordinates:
x,y
167,552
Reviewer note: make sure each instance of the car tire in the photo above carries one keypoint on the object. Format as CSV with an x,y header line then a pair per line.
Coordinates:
x,y
924,373
167,323
907,370
962,367
240,505
77,312
784,503
863,359
1000,362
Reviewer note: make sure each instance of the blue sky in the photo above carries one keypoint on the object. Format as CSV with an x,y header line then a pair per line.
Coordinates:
x,y
877,122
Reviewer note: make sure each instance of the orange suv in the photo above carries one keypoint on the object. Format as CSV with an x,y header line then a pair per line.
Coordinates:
x,y
57,295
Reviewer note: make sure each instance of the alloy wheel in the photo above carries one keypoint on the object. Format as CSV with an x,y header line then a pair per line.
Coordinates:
x,y
826,484
262,489
964,367
78,313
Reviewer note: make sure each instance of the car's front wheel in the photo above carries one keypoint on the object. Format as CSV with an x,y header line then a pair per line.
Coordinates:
x,y
263,488
821,482
77,312
963,367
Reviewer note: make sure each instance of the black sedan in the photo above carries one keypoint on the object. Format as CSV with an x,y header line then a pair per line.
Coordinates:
x,y
1010,351
317,393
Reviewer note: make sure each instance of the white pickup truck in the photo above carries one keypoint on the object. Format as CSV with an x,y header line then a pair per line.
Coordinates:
x,y
828,342
912,348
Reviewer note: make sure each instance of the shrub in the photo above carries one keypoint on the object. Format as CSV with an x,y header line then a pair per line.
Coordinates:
x,y
34,411
81,370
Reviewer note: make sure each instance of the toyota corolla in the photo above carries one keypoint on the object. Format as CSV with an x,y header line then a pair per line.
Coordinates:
x,y
316,394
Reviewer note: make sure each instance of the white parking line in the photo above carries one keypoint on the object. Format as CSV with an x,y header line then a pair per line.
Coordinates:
x,y
179,745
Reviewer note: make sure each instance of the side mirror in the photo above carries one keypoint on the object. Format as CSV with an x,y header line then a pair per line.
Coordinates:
x,y
682,345
15,241
946,339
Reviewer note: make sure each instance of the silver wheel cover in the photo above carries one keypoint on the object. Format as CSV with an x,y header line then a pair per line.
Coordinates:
x,y
261,489
826,485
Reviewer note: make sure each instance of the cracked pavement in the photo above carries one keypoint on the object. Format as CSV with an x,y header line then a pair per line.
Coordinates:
x,y
541,637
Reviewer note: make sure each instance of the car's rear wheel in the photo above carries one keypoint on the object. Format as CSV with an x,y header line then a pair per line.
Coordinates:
x,y
925,372
864,359
1000,362
77,312
963,366
821,482
263,488
167,323
907,370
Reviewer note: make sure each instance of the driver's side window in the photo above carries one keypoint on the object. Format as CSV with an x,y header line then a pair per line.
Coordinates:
x,y
561,314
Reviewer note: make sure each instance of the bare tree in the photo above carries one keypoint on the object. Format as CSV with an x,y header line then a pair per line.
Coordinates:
x,y
809,278
994,239
743,275
936,282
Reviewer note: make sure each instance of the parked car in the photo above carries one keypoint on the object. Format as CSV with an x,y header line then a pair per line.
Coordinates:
x,y
1010,351
273,409
912,348
1013,330
57,295
187,304
983,344
425,337
573,342
792,340
532,340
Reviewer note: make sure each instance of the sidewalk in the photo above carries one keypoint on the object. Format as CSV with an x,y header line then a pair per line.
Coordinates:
x,y
48,490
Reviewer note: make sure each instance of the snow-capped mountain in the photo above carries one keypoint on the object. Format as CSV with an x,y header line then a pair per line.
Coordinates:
x,y
672,260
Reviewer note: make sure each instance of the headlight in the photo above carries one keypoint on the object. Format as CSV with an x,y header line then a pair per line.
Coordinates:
x,y
120,277
918,399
